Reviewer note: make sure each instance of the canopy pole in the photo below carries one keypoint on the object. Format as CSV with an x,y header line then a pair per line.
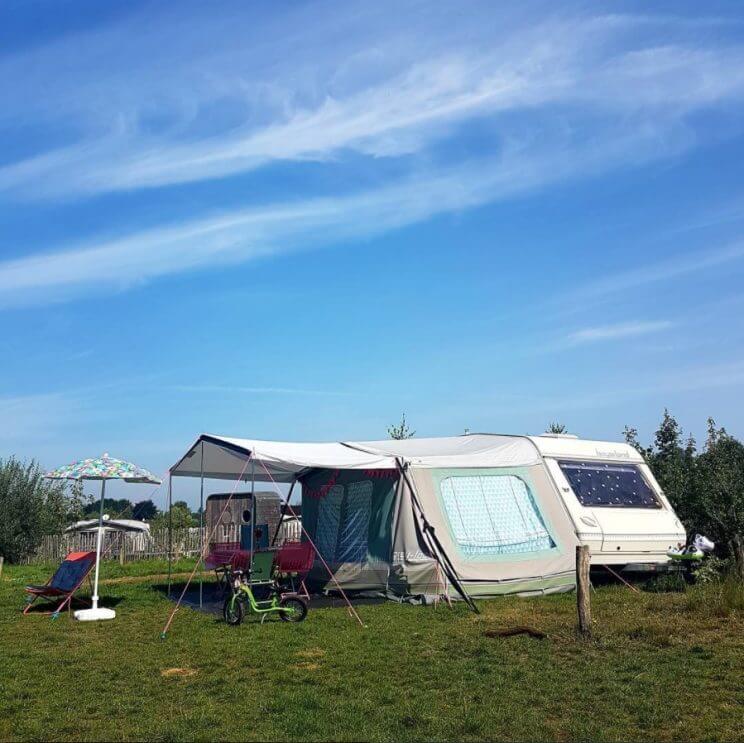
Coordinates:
x,y
253,513
170,529
201,519
98,545
199,559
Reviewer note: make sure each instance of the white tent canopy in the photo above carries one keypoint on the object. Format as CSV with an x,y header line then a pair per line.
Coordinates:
x,y
222,457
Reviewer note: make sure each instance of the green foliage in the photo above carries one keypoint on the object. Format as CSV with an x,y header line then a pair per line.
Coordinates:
x,y
145,510
31,507
666,583
116,508
556,428
705,488
720,476
401,431
78,501
712,569
180,517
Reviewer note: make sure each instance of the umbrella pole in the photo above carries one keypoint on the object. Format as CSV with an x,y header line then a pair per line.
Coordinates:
x,y
170,529
99,539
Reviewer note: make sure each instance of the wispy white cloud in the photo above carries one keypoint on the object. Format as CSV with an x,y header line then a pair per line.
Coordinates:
x,y
385,92
253,233
671,268
617,331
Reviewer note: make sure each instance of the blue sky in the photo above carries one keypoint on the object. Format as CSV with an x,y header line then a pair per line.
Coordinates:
x,y
298,220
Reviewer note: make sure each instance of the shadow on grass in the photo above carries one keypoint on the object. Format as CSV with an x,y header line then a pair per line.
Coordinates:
x,y
48,607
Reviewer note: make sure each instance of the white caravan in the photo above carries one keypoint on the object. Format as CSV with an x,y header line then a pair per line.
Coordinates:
x,y
616,505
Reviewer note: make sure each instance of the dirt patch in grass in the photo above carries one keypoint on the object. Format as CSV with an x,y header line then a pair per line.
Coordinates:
x,y
311,653
178,672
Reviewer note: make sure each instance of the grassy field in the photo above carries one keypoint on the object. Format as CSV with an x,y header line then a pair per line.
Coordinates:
x,y
661,667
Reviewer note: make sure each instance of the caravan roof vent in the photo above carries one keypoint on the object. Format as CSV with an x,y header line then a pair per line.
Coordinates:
x,y
559,435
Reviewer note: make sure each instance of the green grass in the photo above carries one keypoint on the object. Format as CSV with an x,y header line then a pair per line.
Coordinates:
x,y
662,666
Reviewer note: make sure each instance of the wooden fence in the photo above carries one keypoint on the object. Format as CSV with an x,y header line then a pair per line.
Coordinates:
x,y
122,546
129,546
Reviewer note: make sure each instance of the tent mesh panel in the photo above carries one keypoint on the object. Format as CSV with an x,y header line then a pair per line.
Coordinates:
x,y
494,515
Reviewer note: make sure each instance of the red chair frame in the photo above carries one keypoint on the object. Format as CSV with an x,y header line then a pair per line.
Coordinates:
x,y
294,560
52,592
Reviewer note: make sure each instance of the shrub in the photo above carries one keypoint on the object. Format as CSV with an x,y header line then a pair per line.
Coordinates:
x,y
666,583
711,570
30,507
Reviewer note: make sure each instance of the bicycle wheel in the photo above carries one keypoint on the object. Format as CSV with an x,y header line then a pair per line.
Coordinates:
x,y
294,609
233,611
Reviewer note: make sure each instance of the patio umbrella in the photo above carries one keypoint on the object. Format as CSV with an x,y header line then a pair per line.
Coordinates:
x,y
103,468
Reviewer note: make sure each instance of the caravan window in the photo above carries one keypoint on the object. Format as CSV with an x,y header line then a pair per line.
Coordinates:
x,y
609,484
494,515
343,522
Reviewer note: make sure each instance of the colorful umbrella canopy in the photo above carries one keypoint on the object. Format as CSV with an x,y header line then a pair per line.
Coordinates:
x,y
103,468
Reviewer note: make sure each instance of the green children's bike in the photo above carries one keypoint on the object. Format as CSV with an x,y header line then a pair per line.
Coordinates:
x,y
289,607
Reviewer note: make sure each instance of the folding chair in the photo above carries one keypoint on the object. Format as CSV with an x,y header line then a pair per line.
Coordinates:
x,y
68,577
224,557
294,561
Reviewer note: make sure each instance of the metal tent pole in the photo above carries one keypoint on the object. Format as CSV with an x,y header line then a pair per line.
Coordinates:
x,y
253,511
170,529
201,519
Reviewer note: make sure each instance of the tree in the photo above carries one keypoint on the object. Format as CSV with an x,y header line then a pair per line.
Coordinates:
x,y
631,437
78,501
30,507
720,477
706,489
401,431
180,517
667,460
556,428
145,510
116,508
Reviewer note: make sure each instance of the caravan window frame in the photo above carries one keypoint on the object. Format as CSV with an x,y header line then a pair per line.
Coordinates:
x,y
596,464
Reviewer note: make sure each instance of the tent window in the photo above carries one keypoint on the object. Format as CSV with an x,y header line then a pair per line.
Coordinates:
x,y
494,515
607,484
329,518
342,533
354,532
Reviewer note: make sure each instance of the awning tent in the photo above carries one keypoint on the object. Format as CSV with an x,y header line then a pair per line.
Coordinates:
x,y
470,515
225,457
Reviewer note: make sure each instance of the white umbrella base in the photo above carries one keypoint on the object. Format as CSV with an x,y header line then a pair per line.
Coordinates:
x,y
93,615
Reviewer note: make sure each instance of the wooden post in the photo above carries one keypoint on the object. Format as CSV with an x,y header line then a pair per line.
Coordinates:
x,y
123,548
583,600
2,561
